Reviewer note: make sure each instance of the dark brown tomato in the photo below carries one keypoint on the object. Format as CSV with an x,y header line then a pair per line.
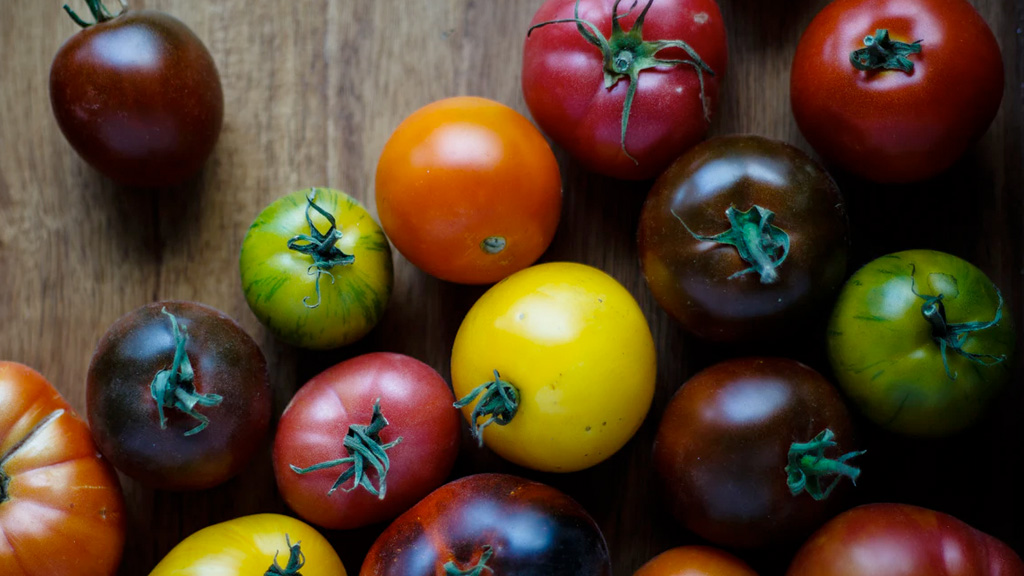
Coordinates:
x,y
138,97
775,194
503,525
723,451
184,453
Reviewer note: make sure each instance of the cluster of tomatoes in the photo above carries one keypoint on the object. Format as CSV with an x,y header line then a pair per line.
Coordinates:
x,y
554,367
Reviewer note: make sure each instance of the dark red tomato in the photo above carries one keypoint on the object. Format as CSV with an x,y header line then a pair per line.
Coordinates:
x,y
631,87
138,96
903,540
178,396
366,439
491,524
742,235
749,450
877,103
695,561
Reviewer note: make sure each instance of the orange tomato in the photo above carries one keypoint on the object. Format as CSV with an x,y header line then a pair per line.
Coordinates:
x,y
695,561
468,190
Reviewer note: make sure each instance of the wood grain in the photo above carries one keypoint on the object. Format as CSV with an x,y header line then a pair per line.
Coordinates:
x,y
313,89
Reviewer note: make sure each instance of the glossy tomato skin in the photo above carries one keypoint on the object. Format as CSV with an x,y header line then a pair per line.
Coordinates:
x,y
123,414
903,540
695,280
885,356
461,171
889,125
532,530
250,545
139,98
281,288
695,561
61,508
722,445
417,404
564,85
577,347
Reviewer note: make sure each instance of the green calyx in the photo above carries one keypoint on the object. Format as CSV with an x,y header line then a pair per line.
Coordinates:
x,y
882,53
499,402
320,246
99,12
954,336
365,449
626,54
175,387
296,560
808,466
450,569
759,242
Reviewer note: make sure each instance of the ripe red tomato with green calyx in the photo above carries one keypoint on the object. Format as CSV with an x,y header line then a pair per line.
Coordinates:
x,y
902,540
61,509
624,92
750,450
743,237
871,85
178,396
138,96
366,439
491,524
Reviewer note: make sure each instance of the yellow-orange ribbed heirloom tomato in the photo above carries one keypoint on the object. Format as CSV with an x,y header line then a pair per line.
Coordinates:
x,y
561,357
257,545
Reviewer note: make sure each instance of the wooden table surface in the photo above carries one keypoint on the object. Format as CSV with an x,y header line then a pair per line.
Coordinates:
x,y
313,89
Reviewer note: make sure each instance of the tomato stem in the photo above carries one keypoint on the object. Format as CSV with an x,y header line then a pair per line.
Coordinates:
x,y
364,446
808,464
954,336
499,400
99,12
882,53
296,560
320,246
451,569
175,387
626,54
759,242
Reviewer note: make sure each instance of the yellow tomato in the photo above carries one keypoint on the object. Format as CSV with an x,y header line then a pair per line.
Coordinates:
x,y
571,348
252,545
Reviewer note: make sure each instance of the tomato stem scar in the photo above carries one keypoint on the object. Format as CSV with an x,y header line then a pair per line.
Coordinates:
x,y
499,400
450,568
627,54
99,12
493,244
808,464
175,387
882,53
296,560
364,446
5,480
759,242
320,246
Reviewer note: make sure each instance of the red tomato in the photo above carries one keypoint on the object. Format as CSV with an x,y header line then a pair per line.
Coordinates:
x,y
138,96
695,561
468,190
61,510
914,115
903,540
389,414
623,109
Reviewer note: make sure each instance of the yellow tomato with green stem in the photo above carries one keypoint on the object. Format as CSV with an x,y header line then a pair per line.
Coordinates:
x,y
261,544
555,367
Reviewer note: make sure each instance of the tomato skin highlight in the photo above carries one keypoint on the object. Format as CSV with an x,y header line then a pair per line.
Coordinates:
x,y
61,507
890,126
417,404
532,530
468,190
564,85
903,540
139,98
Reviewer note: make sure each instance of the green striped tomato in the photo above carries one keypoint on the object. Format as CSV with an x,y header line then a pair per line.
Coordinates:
x,y
313,283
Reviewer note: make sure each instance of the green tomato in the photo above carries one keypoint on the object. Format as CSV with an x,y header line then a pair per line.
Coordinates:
x,y
921,341
316,269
